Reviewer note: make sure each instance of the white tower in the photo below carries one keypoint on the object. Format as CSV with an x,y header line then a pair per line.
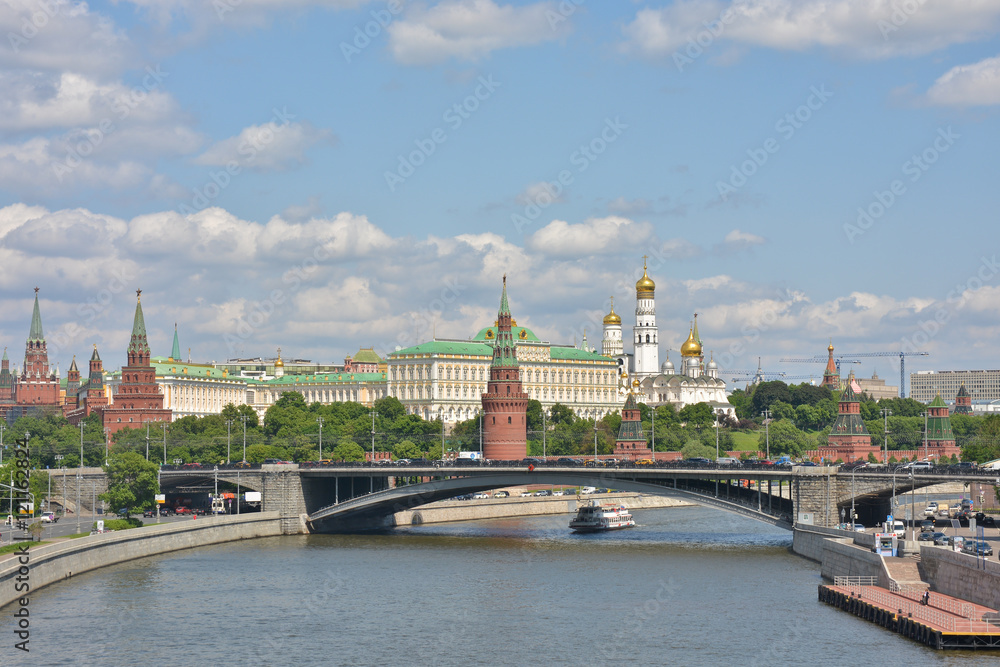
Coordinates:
x,y
646,340
611,344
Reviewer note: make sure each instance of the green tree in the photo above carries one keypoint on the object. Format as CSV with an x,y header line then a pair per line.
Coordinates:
x,y
38,485
697,415
390,408
767,393
132,483
406,450
782,410
785,439
348,450
561,414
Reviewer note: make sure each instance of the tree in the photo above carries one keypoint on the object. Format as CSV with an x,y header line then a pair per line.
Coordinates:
x,y
767,393
348,450
808,394
406,450
534,416
561,414
38,484
697,415
390,408
132,483
784,439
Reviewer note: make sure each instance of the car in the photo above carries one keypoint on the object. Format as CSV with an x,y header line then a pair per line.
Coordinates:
x,y
525,494
182,510
501,494
919,466
963,466
806,463
191,465
954,540
899,529
242,464
149,513
859,528
854,465
557,493
481,495
925,537
543,492
420,462
926,526
49,517
986,520
697,461
977,548
567,461
530,461
930,510
645,462
939,538
402,462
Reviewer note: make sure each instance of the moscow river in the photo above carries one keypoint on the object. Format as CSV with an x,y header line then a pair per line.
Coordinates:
x,y
687,586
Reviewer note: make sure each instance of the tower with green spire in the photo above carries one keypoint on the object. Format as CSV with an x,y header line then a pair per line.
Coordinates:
x,y
505,404
137,398
940,438
36,386
6,381
175,352
631,442
848,435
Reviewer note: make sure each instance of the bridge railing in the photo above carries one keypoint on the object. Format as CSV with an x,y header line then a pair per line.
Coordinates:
x,y
933,613
956,607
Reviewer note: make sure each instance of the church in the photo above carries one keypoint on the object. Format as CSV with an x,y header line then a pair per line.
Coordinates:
x,y
694,382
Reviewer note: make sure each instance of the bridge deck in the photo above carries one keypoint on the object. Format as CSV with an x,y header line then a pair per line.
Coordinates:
x,y
946,622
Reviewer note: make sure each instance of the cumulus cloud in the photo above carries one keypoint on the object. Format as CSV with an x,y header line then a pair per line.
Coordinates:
x,y
968,85
877,29
267,147
596,236
471,30
740,239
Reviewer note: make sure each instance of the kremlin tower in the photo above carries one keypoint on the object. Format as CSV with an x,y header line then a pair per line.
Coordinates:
x,y
505,404
647,344
831,376
36,385
138,398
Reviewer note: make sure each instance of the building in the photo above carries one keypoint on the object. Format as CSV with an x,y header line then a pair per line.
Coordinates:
x,y
631,442
831,375
849,438
612,345
88,396
6,382
939,440
876,388
963,401
137,398
364,361
645,336
325,388
981,385
505,403
37,386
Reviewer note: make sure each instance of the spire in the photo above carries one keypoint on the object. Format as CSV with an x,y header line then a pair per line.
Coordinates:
x,y
72,366
138,346
5,357
35,334
175,353
697,337
504,307
504,353
95,356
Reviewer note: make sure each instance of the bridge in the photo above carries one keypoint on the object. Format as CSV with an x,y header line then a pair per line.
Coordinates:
x,y
336,497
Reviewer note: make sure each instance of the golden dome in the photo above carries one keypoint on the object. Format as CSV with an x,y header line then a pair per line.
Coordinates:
x,y
612,317
644,286
691,347
635,383
830,349
279,363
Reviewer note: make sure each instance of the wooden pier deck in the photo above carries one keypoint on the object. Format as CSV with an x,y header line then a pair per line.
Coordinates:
x,y
945,623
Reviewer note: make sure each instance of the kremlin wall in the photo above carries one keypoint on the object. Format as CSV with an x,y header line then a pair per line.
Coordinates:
x,y
494,374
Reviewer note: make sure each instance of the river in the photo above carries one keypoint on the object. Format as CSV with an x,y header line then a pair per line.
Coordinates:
x,y
687,586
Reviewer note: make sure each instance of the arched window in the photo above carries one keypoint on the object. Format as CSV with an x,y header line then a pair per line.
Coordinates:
x,y
508,420
647,338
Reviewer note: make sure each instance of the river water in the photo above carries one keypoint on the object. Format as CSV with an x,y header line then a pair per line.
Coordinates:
x,y
687,586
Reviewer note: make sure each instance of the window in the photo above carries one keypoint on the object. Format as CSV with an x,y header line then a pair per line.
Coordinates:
x,y
508,420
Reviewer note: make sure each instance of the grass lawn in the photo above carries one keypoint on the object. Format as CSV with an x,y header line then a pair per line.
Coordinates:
x,y
11,548
745,442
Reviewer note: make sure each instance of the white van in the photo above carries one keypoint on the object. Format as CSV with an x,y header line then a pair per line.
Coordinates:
x,y
587,490
729,462
899,529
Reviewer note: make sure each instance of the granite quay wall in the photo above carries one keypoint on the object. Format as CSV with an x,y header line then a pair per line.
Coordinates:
x,y
844,559
810,541
50,563
66,482
961,575
499,508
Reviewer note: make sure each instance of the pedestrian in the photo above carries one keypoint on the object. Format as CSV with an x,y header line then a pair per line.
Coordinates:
x,y
925,600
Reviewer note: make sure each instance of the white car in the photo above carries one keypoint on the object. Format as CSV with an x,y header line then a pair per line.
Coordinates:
x,y
49,517
480,496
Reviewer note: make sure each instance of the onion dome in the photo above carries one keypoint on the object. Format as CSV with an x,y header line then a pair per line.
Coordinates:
x,y
691,347
667,367
279,363
612,317
712,365
644,287
830,349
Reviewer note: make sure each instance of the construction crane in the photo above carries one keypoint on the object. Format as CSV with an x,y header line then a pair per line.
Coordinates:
x,y
854,359
760,375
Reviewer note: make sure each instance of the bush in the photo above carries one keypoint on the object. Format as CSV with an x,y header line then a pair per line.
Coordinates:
x,y
120,524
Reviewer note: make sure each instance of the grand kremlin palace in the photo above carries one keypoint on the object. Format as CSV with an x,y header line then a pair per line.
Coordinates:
x,y
449,376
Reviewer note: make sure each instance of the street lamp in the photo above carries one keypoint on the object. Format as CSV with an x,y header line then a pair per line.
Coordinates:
x,y
885,433
653,431
229,439
480,413
595,441
163,425
852,500
244,418
543,433
767,433
442,433
3,425
913,513
147,441
319,420
81,443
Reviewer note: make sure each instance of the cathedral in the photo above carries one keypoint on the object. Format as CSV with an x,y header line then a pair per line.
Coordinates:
x,y
694,382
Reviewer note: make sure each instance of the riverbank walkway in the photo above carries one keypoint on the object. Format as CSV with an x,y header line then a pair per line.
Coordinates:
x,y
945,622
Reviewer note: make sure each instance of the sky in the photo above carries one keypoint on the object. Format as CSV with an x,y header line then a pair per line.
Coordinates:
x,y
322,176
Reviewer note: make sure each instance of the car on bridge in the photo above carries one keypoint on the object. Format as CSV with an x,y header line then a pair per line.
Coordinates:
x,y
985,520
854,465
977,548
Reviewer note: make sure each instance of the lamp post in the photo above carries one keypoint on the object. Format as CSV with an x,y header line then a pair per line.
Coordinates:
x,y
885,434
3,425
913,514
717,453
653,430
543,434
924,415
163,425
767,433
319,420
229,440
371,478
244,418
852,500
147,441
480,413
595,441
442,433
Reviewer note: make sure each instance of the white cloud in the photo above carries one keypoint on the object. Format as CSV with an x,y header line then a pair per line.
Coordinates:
x,y
876,29
596,236
968,85
471,30
743,239
266,147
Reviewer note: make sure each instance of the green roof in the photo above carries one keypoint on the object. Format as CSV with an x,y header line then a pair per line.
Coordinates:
x,y
519,333
574,354
938,402
458,347
366,355
175,352
321,378
35,334
164,367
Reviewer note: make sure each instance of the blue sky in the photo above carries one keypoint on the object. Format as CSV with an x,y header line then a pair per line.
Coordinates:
x,y
250,170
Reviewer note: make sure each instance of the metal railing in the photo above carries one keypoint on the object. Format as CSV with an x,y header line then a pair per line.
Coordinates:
x,y
931,614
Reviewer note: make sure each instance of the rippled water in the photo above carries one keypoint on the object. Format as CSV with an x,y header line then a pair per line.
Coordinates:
x,y
686,586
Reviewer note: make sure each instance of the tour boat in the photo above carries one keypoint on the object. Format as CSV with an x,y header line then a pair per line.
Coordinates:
x,y
593,517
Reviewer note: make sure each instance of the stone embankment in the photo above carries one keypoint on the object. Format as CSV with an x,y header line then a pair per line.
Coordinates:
x,y
49,563
500,508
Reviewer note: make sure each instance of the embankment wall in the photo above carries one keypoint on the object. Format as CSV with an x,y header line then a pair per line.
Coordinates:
x,y
961,575
49,563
